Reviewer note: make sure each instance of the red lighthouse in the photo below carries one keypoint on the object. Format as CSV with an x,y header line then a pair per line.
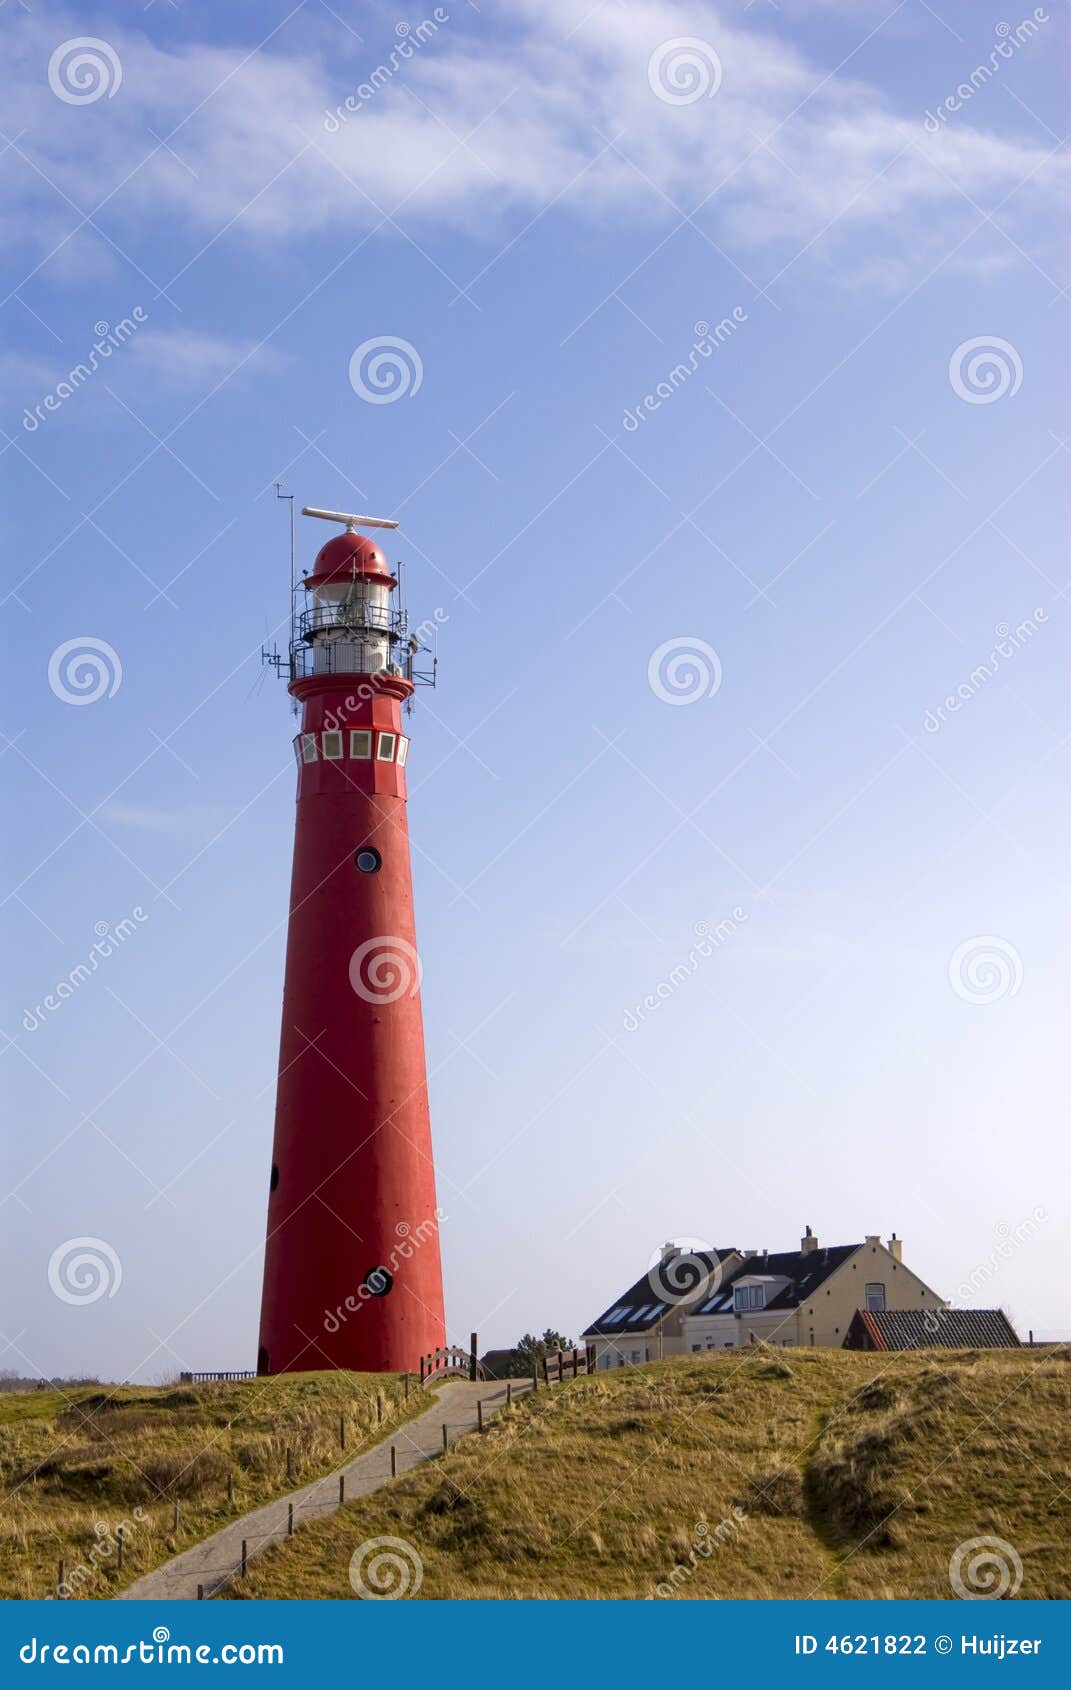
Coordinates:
x,y
352,1275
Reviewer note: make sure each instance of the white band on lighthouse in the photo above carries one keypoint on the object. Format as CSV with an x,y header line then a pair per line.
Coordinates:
x,y
348,519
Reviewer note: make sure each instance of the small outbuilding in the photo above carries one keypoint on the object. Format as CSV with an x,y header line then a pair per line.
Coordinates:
x,y
921,1329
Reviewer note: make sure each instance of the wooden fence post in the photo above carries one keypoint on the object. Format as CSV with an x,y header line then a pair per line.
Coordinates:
x,y
576,1361
546,1372
472,1358
62,1579
379,1408
342,1431
289,1462
479,1416
444,1437
290,1521
200,1593
341,1489
119,1548
245,1556
393,1461
509,1392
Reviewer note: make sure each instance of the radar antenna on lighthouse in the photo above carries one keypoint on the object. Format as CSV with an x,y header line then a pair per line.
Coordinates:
x,y
348,521
352,1274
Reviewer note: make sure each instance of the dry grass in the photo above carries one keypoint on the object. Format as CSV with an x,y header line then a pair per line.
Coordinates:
x,y
750,1475
75,1465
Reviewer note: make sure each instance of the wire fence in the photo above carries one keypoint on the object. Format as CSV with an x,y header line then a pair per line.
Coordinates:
x,y
172,1513
327,1493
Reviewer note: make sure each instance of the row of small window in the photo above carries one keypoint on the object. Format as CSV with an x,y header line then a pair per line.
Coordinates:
x,y
331,746
626,1311
754,1297
729,1344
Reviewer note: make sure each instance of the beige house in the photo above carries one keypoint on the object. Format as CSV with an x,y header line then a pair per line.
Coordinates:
x,y
738,1297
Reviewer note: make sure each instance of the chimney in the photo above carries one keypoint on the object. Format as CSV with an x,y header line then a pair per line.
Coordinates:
x,y
808,1242
669,1250
895,1248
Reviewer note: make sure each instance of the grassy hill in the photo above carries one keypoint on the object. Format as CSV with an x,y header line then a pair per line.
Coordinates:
x,y
755,1474
75,1464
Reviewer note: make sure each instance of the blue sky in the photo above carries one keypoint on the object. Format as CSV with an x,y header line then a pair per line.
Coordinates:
x,y
848,503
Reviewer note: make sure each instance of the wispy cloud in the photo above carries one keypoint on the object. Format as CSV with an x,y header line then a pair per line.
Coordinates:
x,y
483,128
184,357
150,818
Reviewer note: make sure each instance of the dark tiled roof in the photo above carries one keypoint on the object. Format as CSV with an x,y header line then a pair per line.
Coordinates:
x,y
916,1329
640,1307
805,1272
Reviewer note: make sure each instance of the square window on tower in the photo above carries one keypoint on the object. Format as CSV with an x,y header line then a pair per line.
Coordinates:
x,y
332,745
308,747
360,743
387,743
297,748
403,750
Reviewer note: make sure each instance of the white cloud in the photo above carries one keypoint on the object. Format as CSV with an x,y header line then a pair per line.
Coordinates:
x,y
483,127
199,819
186,357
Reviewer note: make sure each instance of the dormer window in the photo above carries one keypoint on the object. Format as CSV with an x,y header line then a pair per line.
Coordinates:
x,y
749,1297
875,1297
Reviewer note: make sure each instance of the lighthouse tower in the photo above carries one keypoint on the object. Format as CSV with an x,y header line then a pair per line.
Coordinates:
x,y
352,1275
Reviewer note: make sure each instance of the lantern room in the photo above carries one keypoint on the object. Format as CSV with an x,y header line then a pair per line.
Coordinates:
x,y
352,622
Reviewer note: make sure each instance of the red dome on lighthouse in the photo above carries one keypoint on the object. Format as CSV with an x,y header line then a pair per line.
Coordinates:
x,y
347,556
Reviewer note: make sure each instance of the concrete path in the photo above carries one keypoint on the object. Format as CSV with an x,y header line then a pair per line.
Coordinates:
x,y
212,1562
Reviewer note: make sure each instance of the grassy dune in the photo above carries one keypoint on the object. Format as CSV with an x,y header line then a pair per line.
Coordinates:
x,y
75,1465
754,1474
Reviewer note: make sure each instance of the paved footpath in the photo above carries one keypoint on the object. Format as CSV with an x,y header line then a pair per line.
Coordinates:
x,y
212,1562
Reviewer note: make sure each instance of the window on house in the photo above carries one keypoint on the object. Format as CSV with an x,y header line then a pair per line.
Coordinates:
x,y
387,743
875,1297
308,747
696,1348
403,750
637,1355
333,745
360,743
749,1297
616,1314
